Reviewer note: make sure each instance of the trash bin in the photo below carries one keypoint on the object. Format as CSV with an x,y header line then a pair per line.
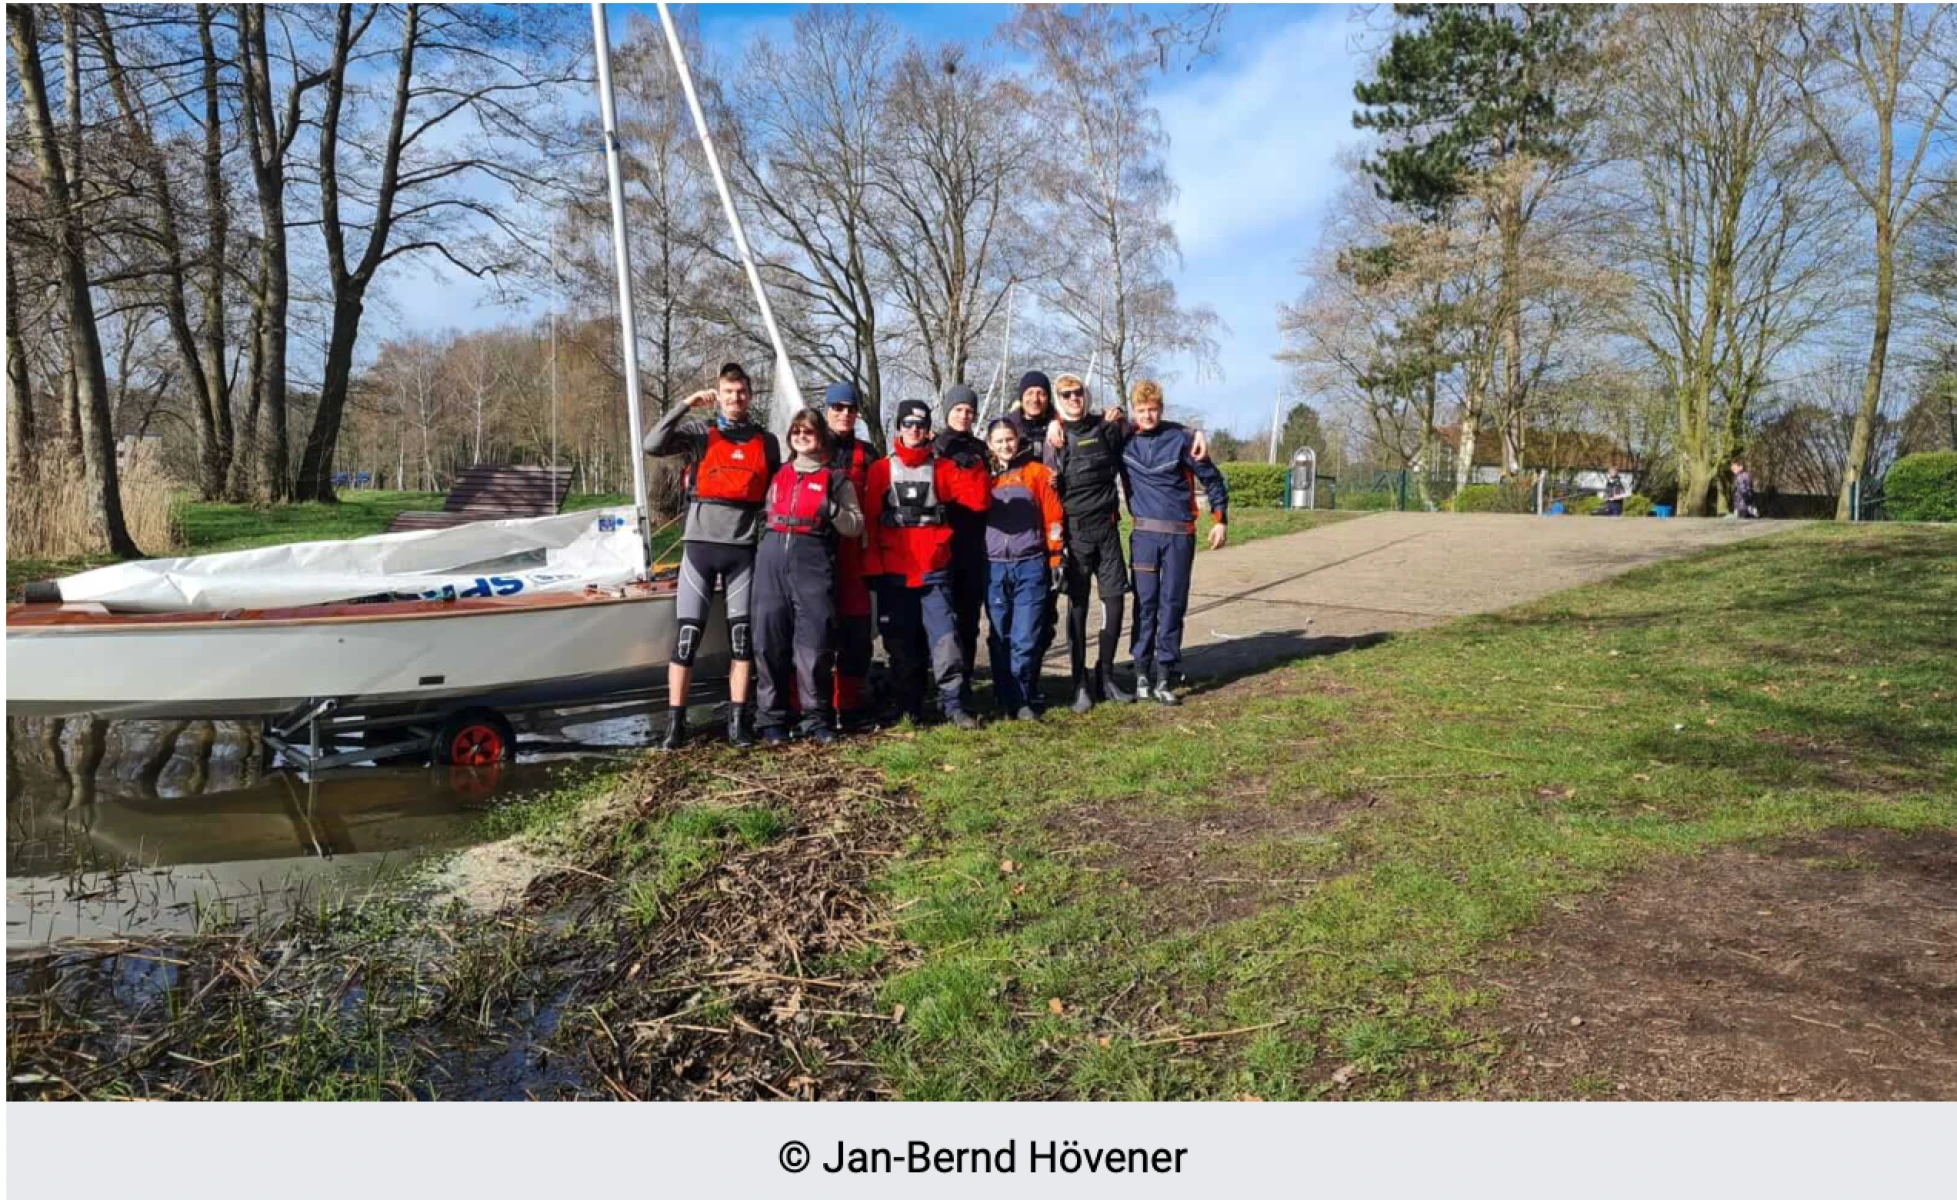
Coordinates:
x,y
1301,481
1661,510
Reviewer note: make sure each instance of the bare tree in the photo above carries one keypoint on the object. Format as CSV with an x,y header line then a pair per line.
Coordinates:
x,y
808,115
1107,189
450,64
20,386
270,129
85,347
953,140
1728,226
1893,67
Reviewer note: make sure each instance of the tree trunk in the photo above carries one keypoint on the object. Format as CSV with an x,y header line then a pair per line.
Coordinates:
x,y
247,461
20,413
85,347
217,204
268,142
1865,415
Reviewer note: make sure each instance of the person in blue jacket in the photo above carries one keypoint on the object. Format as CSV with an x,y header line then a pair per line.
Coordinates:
x,y
1160,472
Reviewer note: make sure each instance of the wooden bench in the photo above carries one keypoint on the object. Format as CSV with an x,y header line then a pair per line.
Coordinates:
x,y
493,494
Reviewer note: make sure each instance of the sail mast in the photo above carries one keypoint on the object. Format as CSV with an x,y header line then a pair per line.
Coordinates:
x,y
784,384
628,329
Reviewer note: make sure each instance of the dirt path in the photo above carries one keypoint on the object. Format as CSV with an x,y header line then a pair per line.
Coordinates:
x,y
1288,596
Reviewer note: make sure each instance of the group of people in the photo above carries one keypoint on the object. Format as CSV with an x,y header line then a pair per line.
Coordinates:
x,y
818,547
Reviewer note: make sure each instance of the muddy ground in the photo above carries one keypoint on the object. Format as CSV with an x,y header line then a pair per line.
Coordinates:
x,y
1823,968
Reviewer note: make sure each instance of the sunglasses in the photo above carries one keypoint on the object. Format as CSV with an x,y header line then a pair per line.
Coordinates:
x,y
1072,393
842,408
804,433
914,423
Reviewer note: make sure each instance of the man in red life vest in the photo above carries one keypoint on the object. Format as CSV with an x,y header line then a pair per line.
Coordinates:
x,y
909,560
730,462
854,629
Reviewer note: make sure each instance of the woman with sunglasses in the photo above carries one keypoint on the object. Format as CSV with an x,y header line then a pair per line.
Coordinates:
x,y
810,506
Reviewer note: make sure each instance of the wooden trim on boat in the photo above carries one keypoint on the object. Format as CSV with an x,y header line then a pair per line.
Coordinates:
x,y
28,618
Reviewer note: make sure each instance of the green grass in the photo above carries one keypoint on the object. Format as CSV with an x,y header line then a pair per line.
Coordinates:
x,y
1444,790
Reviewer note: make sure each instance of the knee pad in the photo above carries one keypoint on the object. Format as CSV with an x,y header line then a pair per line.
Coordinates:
x,y
739,642
688,643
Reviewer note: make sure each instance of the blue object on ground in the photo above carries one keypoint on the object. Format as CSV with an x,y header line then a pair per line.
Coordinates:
x,y
1556,509
1661,510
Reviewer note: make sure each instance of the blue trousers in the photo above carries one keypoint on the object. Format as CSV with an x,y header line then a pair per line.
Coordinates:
x,y
920,633
1161,563
1015,606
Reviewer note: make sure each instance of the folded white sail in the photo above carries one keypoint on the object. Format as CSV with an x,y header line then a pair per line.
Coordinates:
x,y
567,552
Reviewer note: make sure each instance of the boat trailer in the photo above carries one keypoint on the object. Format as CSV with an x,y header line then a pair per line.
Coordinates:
x,y
335,731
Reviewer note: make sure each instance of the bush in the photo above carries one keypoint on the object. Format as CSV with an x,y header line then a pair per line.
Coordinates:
x,y
1637,506
1923,487
1496,497
1255,485
1582,506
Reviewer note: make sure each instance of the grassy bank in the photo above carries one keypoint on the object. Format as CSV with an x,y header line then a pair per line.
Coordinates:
x,y
1303,882
1304,870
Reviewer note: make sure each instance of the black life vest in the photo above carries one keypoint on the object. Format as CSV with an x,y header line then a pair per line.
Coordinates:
x,y
912,501
1088,469
798,503
732,472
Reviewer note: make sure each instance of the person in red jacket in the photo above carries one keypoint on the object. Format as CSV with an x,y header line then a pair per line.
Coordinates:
x,y
855,631
908,559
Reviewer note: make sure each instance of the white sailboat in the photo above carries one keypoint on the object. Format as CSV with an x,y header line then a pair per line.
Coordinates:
x,y
426,624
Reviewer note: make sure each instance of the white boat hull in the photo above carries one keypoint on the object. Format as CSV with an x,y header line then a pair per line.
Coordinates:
x,y
268,665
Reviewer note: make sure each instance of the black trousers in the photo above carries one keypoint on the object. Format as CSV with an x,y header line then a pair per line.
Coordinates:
x,y
971,574
1094,557
794,629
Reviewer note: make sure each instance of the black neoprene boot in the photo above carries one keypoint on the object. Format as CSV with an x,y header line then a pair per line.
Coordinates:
x,y
1165,688
740,726
675,730
1083,695
1111,688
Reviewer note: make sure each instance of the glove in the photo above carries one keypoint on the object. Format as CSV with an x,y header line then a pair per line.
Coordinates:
x,y
965,459
1056,578
830,507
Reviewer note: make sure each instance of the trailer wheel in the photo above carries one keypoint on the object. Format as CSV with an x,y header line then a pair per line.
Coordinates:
x,y
475,737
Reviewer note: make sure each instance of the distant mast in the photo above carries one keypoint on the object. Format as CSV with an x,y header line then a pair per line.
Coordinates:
x,y
628,329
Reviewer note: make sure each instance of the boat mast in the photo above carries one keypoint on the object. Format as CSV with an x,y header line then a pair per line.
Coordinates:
x,y
785,387
628,329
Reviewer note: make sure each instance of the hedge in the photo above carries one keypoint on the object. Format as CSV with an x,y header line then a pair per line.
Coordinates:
x,y
1637,506
1923,487
1255,485
1367,500
1495,497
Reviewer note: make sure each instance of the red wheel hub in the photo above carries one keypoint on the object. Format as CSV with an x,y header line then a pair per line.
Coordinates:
x,y
476,746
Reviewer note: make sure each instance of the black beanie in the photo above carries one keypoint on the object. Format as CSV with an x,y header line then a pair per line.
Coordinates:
x,y
1036,379
909,408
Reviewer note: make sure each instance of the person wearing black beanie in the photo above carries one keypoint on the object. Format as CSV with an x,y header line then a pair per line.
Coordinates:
x,y
1031,419
969,566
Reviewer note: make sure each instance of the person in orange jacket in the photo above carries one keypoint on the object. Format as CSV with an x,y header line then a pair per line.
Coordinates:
x,y
1024,529
908,560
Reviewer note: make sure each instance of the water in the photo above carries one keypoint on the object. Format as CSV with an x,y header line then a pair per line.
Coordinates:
x,y
130,828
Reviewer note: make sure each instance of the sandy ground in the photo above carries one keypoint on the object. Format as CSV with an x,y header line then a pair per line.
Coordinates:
x,y
1287,596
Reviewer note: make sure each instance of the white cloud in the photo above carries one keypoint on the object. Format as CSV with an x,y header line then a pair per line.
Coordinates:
x,y
1255,139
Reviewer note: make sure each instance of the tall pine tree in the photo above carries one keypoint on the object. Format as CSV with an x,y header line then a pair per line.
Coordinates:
x,y
1472,103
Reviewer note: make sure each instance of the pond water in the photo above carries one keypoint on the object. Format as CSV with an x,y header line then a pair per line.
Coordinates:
x,y
127,828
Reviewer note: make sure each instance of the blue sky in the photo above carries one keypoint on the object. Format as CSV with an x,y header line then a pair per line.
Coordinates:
x,y
1254,131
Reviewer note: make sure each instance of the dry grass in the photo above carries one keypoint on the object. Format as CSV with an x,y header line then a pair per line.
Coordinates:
x,y
48,512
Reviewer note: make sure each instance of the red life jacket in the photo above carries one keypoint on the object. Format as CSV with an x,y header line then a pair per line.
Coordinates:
x,y
734,473
799,503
